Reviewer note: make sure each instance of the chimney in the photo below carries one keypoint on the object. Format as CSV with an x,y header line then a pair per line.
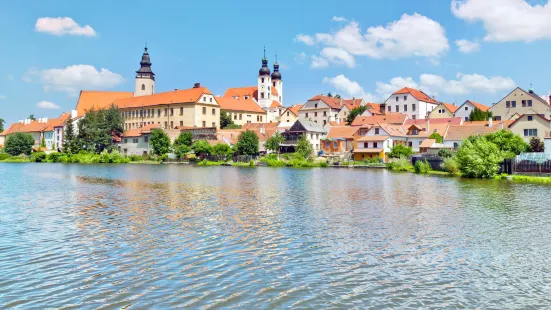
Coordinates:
x,y
45,120
549,99
74,113
340,101
427,128
197,85
490,122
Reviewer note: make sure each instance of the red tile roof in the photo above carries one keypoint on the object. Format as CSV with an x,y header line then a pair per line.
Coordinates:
x,y
417,94
451,107
275,104
343,132
248,91
391,118
293,109
423,122
36,126
231,104
170,97
139,131
330,101
98,100
480,106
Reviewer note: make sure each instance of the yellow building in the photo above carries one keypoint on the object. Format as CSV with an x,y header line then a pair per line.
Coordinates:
x,y
443,110
531,125
242,111
520,102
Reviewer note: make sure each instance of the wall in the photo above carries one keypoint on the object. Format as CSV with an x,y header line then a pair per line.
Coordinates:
x,y
129,147
288,117
149,87
324,112
341,146
500,109
421,108
209,119
464,111
436,113
243,117
315,139
541,125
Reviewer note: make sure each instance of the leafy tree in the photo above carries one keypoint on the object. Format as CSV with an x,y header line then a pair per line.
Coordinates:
x,y
436,136
225,119
185,138
400,150
479,159
69,143
357,111
330,95
233,126
1,125
536,145
201,147
221,149
31,117
159,141
273,142
19,143
304,147
43,142
247,143
445,153
181,150
479,115
97,130
338,96
509,143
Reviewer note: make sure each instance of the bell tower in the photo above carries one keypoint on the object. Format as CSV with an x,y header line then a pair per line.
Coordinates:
x,y
145,78
264,85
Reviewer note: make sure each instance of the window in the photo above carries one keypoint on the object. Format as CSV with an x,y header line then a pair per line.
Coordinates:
x,y
262,95
274,84
413,107
397,98
287,113
204,124
315,114
181,110
125,151
375,145
171,111
210,99
513,104
389,109
497,118
523,103
316,105
181,123
213,111
466,118
269,88
507,104
327,144
306,114
166,111
204,99
124,140
405,107
317,136
166,124
240,116
143,86
324,122
376,131
258,118
262,80
324,113
146,139
365,145
405,98
213,124
159,113
134,140
410,144
397,108
529,103
171,124
466,108
530,132
261,118
335,144
204,110
530,117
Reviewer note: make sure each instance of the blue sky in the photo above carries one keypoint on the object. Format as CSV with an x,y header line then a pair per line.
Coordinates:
x,y
354,48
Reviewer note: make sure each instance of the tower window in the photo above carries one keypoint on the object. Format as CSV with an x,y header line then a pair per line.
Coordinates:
x,y
143,86
262,80
262,95
268,88
274,84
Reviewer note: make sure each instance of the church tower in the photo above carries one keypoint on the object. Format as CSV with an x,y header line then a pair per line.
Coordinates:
x,y
145,78
264,85
277,83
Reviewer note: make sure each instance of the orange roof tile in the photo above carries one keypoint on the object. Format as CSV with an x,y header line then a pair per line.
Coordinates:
x,y
391,118
136,132
393,130
458,133
373,138
427,143
98,100
293,109
423,122
254,126
251,92
344,132
480,106
451,107
275,104
231,104
367,150
170,97
36,126
417,94
334,103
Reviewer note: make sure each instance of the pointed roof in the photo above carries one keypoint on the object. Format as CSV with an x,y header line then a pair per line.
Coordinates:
x,y
451,107
293,109
98,100
190,95
37,125
334,103
391,118
417,94
251,92
139,131
342,132
480,106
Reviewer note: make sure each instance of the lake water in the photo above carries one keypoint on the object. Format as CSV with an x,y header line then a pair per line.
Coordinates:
x,y
138,236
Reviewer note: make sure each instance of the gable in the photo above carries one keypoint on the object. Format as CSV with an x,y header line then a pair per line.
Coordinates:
x,y
311,104
297,126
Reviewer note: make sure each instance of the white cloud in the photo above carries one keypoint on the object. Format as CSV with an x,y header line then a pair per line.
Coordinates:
x,y
411,35
319,62
339,56
63,25
467,47
47,105
306,39
301,57
339,19
74,78
348,87
507,20
466,84
396,83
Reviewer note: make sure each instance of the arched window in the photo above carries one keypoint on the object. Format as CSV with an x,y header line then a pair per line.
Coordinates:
x,y
143,86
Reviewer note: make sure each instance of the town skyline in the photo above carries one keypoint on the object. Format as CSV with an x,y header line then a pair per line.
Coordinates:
x,y
465,59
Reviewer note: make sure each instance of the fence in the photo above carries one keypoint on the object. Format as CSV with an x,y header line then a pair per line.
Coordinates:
x,y
434,161
529,166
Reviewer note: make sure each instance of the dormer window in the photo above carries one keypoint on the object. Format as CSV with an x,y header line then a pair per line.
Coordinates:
x,y
315,105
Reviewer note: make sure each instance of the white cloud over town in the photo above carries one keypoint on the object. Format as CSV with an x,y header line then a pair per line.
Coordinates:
x,y
507,20
47,105
60,26
74,78
466,46
347,87
411,35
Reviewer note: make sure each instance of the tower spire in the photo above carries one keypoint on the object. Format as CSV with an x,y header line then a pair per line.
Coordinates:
x,y
264,52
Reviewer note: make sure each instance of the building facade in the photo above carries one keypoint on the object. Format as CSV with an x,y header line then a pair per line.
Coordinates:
x,y
320,110
412,102
464,111
520,102
529,126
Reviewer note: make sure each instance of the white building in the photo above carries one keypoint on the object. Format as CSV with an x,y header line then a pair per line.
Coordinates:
x,y
145,78
321,110
464,111
415,103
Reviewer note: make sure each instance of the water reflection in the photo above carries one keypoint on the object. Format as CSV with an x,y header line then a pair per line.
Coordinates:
x,y
164,237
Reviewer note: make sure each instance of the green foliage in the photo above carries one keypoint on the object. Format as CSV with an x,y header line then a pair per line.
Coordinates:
x,y
221,149
17,159
70,145
4,156
304,147
225,120
43,142
97,129
272,161
436,136
38,157
247,143
399,151
84,157
479,115
451,166
1,125
206,162
373,160
54,157
31,117
201,147
233,126
185,138
19,143
274,141
330,95
400,164
479,159
507,142
181,150
323,164
536,145
354,113
159,142
251,163
445,153
422,166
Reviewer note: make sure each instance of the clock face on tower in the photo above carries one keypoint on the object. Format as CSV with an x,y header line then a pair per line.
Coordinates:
x,y
262,87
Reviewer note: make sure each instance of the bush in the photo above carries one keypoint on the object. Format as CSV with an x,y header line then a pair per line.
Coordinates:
x,y
479,159
19,143
247,143
323,164
251,163
54,157
436,136
507,142
159,141
450,165
4,156
304,147
445,153
38,157
201,147
536,145
422,166
373,160
134,158
181,150
399,151
185,138
400,164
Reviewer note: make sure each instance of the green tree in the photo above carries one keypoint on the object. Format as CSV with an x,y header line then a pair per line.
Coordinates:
x,y
247,143
509,143
185,138
400,150
436,136
479,158
225,119
338,96
357,111
98,128
445,153
43,142
19,143
330,95
69,143
201,147
479,115
233,126
273,142
31,117
536,145
181,150
1,125
304,147
159,142
221,149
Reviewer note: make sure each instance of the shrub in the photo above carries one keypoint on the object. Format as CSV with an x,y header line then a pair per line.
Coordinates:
x,y
323,164
400,164
134,158
181,150
536,145
399,151
38,157
247,143
54,157
251,163
304,147
479,159
201,147
422,166
159,141
185,138
19,143
450,165
373,160
436,136
507,142
4,156
445,153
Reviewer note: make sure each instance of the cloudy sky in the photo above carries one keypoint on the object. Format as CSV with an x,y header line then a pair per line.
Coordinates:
x,y
452,49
